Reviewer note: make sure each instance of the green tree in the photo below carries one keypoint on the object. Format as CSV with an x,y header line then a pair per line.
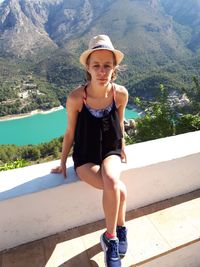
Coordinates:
x,y
31,153
194,96
158,120
188,123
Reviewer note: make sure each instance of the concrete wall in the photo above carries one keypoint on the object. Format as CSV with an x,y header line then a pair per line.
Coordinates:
x,y
36,204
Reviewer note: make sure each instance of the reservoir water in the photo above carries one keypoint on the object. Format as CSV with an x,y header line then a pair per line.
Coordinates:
x,y
39,128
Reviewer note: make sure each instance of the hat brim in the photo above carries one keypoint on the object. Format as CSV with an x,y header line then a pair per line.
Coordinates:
x,y
118,55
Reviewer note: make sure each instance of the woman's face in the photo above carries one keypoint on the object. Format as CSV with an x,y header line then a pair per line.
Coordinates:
x,y
101,66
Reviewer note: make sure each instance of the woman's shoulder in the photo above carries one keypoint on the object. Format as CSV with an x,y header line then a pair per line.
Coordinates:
x,y
120,91
77,92
75,97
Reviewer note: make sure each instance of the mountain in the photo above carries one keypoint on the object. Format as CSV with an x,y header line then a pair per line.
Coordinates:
x,y
160,39
20,33
27,27
186,13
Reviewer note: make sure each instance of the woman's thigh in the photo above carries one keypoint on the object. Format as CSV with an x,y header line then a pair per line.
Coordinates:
x,y
91,174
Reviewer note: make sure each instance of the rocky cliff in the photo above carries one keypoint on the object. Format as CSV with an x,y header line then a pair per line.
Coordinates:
x,y
165,27
28,26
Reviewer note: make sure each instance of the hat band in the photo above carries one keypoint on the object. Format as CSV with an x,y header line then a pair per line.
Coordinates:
x,y
102,46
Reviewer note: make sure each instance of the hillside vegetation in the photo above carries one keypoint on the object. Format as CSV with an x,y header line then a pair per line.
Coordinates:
x,y
43,40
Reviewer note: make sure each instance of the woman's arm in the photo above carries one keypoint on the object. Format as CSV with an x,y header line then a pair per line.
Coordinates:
x,y
121,102
72,107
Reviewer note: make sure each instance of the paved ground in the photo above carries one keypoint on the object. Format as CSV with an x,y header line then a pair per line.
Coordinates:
x,y
147,232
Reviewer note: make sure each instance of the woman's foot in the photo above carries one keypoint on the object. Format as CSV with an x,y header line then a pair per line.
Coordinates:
x,y
122,236
110,247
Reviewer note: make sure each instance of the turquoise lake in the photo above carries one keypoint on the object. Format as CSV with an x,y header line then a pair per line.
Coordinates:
x,y
39,128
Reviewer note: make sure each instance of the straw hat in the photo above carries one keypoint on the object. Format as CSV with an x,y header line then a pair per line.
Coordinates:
x,y
101,42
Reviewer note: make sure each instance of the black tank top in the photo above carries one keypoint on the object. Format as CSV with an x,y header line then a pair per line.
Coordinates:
x,y
96,137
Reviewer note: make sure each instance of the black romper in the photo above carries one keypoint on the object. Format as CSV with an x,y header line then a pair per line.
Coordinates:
x,y
96,138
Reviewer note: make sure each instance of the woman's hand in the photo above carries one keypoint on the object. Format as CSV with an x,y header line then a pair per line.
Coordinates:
x,y
123,156
60,169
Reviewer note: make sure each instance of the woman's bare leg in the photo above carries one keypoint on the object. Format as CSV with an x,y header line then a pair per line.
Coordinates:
x,y
92,174
122,206
111,194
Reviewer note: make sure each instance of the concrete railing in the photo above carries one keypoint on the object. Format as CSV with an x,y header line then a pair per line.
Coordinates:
x,y
35,204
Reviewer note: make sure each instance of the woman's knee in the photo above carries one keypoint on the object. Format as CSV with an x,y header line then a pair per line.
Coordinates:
x,y
110,171
111,182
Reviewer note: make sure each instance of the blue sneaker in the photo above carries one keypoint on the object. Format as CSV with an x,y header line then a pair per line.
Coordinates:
x,y
122,236
111,254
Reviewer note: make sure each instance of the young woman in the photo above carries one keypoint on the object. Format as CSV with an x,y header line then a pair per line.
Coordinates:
x,y
96,129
